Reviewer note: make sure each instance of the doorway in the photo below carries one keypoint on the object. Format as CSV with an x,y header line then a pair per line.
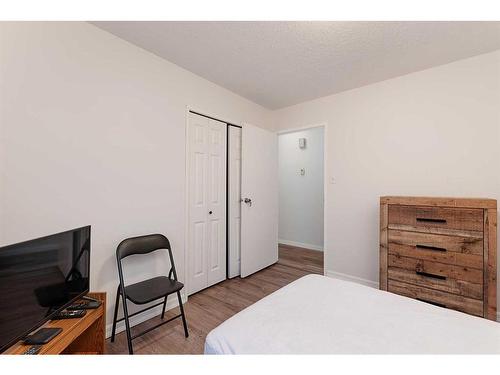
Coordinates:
x,y
301,193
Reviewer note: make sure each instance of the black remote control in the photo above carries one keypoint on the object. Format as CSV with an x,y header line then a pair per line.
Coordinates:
x,y
32,350
69,314
42,336
84,305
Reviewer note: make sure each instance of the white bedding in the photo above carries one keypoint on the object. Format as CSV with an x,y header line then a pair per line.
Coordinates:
x,y
319,315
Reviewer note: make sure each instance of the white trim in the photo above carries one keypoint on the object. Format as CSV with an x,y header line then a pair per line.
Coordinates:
x,y
140,318
186,204
326,178
498,316
300,244
355,279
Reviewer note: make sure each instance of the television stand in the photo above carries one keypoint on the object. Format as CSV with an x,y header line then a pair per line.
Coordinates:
x,y
83,335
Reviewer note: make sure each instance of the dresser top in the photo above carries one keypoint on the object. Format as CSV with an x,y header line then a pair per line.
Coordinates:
x,y
441,202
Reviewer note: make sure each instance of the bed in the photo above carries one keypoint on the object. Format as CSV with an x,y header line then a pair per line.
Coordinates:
x,y
321,315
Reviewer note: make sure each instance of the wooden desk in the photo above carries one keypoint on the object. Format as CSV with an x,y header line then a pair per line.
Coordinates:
x,y
83,335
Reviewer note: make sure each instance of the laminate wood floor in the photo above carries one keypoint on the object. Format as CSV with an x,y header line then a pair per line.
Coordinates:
x,y
207,309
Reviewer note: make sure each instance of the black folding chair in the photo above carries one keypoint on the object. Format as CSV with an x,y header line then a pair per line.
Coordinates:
x,y
148,290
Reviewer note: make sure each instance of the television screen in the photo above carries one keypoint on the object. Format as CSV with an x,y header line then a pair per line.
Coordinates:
x,y
38,278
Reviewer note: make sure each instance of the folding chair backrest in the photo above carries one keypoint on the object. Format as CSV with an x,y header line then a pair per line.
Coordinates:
x,y
144,245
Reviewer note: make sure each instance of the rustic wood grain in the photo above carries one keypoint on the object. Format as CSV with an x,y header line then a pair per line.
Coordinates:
x,y
491,266
383,246
467,305
484,203
460,287
470,219
472,275
464,251
436,230
455,244
461,247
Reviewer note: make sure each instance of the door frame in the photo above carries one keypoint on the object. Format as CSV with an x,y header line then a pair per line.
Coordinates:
x,y
326,178
217,117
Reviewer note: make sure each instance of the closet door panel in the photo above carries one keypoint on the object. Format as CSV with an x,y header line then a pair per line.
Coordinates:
x,y
217,141
234,199
198,205
199,233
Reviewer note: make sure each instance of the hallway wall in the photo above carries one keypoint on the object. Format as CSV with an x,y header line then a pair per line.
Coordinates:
x,y
301,196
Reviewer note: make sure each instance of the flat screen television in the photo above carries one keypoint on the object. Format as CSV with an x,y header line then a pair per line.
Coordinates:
x,y
39,278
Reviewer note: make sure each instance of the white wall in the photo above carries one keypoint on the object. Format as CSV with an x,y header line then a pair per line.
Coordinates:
x,y
434,132
93,132
301,196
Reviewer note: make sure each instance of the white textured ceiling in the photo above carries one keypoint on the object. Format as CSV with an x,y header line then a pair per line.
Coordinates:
x,y
277,64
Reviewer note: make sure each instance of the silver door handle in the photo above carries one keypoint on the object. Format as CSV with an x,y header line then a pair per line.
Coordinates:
x,y
247,201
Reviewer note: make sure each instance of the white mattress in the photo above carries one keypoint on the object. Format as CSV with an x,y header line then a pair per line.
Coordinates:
x,y
320,315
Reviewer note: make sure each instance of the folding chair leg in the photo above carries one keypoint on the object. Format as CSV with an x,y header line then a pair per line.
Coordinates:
x,y
184,323
116,314
164,306
127,324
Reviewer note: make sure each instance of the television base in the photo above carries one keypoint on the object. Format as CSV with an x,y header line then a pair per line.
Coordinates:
x,y
78,336
42,336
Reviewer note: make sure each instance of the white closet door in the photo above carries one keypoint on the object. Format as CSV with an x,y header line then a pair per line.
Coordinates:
x,y
234,199
198,206
259,187
217,141
207,193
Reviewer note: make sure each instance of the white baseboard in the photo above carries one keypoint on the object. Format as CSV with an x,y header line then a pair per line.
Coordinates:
x,y
172,303
359,280
300,244
355,279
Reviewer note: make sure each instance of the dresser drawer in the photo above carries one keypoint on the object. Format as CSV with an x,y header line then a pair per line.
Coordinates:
x,y
428,218
455,250
442,250
435,270
449,285
443,299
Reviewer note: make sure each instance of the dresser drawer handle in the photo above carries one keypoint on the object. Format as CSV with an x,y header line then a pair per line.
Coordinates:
x,y
432,303
427,247
431,275
427,220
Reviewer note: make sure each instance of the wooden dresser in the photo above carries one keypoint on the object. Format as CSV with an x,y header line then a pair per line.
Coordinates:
x,y
441,251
